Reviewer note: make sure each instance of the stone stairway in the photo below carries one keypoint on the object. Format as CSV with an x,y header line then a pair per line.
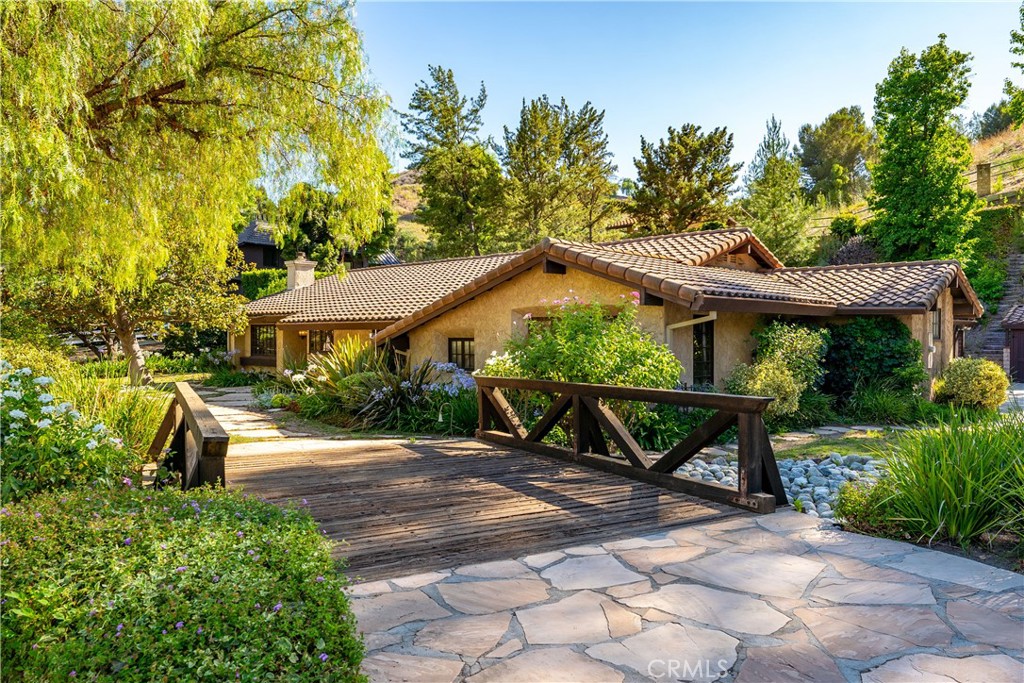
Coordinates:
x,y
987,341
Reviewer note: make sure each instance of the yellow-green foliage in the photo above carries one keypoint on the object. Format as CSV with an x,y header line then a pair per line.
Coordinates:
x,y
973,382
768,377
20,355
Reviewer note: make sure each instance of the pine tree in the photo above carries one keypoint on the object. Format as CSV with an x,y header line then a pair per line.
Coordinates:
x,y
440,117
835,154
1015,107
683,181
589,166
460,200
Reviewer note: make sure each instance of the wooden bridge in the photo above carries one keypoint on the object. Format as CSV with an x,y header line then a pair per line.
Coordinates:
x,y
400,507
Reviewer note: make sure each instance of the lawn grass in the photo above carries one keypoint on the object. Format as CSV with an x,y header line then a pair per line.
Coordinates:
x,y
861,443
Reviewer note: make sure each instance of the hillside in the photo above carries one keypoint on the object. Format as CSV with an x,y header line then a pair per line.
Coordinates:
x,y
406,190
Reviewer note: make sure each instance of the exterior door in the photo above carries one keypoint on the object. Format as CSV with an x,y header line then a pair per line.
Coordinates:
x,y
1017,355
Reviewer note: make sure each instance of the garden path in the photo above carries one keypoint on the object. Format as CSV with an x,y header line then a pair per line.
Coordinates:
x,y
782,597
234,409
1014,399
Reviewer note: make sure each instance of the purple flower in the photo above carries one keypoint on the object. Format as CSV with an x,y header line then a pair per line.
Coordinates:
x,y
216,579
181,569
252,552
128,541
38,515
163,546
323,656
127,481
240,534
180,624
199,630
119,627
73,673
319,579
277,607
164,632
305,502
257,605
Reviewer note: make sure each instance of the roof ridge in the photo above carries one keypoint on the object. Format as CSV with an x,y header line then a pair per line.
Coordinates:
x,y
854,266
717,231
429,261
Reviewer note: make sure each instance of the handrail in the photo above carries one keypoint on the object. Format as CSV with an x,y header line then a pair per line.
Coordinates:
x,y
759,483
199,443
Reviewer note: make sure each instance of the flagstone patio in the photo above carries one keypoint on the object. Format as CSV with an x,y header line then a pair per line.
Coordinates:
x,y
783,597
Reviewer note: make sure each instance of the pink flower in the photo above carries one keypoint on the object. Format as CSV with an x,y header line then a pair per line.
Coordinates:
x,y
527,316
635,294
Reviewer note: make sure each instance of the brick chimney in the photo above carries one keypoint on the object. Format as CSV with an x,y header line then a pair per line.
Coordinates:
x,y
300,272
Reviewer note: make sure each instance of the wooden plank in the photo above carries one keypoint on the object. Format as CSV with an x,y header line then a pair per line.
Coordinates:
x,y
549,420
163,432
617,431
198,415
505,412
736,404
702,436
713,492
751,453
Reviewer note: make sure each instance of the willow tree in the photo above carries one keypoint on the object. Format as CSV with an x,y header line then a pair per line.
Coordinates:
x,y
130,130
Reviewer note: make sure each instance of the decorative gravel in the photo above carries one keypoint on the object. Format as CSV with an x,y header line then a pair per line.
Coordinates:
x,y
815,483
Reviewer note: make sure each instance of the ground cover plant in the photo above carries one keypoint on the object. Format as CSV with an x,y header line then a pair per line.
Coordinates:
x,y
956,482
142,585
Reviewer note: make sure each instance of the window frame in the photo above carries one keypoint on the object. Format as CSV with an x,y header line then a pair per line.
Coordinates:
x,y
937,324
258,344
704,369
461,357
325,347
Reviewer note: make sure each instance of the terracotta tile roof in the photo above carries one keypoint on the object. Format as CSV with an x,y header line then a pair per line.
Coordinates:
x,y
670,277
381,293
907,285
694,248
1015,318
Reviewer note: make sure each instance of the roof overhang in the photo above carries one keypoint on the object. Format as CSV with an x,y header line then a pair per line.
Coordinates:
x,y
336,325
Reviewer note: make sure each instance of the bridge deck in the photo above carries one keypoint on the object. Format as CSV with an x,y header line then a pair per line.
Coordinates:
x,y
409,508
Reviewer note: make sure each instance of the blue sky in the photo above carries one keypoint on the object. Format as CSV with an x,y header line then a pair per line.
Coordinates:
x,y
652,65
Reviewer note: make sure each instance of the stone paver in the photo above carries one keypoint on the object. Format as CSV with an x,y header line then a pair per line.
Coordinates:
x,y
777,598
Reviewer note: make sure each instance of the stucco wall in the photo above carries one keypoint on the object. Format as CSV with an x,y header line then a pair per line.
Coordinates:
x,y
733,342
495,315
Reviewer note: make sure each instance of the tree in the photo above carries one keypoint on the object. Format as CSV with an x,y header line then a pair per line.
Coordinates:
x,y
461,194
537,192
589,166
835,155
440,117
992,121
923,205
132,130
775,200
1015,106
683,181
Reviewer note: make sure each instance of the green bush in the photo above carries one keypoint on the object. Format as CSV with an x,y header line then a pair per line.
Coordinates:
x,y
256,284
973,382
144,585
884,402
950,482
54,363
191,341
48,444
844,226
866,350
800,347
229,377
815,409
768,377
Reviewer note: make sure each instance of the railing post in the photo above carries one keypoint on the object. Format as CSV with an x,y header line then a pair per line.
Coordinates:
x,y
984,179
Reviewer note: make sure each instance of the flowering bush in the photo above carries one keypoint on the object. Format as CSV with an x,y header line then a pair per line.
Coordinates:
x,y
140,585
426,397
49,444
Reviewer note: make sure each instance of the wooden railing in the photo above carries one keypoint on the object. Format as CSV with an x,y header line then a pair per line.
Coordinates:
x,y
199,444
584,406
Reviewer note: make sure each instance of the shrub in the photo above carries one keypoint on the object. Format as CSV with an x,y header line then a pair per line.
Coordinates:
x,y
768,377
189,340
950,482
54,363
800,348
142,585
815,409
882,401
331,373
229,377
857,249
973,382
870,349
862,507
256,284
49,444
844,226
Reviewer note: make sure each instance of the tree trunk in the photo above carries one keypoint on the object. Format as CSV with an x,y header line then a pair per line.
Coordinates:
x,y
138,373
85,339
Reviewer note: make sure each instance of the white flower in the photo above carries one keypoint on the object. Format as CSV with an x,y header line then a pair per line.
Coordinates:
x,y
43,381
45,398
92,444
63,407
15,426
10,393
44,423
287,373
18,414
298,378
48,410
98,427
25,372
74,414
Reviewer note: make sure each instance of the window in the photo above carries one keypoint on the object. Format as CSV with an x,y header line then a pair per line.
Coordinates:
x,y
320,341
461,352
937,325
263,340
704,353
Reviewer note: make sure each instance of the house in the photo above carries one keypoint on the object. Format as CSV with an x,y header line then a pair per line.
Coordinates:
x,y
256,242
701,294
